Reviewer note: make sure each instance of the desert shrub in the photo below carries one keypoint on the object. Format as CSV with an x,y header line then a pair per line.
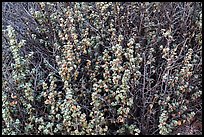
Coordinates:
x,y
100,67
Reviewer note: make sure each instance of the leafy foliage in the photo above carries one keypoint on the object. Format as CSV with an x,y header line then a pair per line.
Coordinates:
x,y
100,67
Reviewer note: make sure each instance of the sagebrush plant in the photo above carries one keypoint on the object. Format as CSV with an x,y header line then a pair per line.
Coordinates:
x,y
95,68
